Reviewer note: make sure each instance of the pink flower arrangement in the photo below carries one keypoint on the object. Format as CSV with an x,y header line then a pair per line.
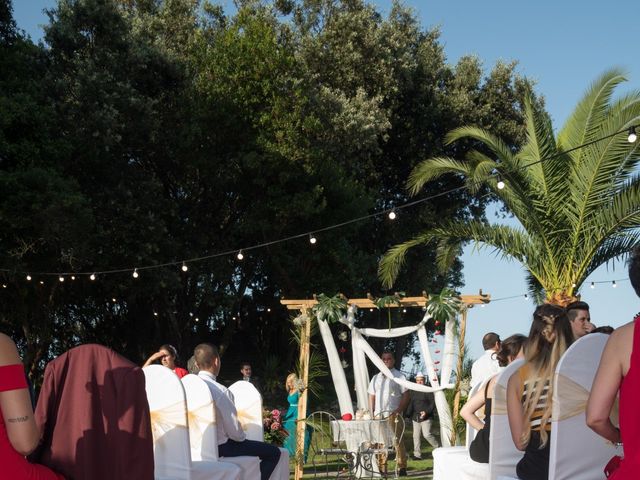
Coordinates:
x,y
273,429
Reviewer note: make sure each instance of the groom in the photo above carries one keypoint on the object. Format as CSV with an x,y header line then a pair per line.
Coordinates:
x,y
232,440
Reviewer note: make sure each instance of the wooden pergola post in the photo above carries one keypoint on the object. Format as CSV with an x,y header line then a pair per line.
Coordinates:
x,y
305,344
462,330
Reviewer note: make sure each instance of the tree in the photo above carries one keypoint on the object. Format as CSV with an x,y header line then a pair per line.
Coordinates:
x,y
576,195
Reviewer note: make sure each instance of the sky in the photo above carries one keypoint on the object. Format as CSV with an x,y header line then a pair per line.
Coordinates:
x,y
561,45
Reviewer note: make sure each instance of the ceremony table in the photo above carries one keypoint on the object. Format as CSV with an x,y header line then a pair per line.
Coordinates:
x,y
360,437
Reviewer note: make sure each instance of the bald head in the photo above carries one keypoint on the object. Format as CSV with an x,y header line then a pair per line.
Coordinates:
x,y
207,357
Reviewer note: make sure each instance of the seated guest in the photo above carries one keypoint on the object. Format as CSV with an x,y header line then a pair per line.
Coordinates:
x,y
232,440
486,366
19,434
510,349
579,319
95,417
530,390
168,356
619,371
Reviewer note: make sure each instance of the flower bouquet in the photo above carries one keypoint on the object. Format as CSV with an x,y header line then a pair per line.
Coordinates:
x,y
274,432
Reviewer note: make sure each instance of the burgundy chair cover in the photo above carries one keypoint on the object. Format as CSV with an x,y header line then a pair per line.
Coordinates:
x,y
95,417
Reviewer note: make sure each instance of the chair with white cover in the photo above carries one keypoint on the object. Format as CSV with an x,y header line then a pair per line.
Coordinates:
x,y
248,402
203,435
171,446
503,454
576,451
454,462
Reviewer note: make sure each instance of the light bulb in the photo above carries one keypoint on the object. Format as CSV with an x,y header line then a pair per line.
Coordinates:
x,y
29,278
526,295
240,256
61,278
4,285
155,314
573,285
135,273
500,185
92,277
268,309
312,239
113,300
392,215
184,267
593,285
41,282
614,284
632,135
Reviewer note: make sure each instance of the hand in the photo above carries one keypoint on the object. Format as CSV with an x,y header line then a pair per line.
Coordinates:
x,y
423,414
157,356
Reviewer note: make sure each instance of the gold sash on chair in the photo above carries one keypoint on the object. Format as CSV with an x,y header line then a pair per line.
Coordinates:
x,y
199,419
246,418
572,398
166,419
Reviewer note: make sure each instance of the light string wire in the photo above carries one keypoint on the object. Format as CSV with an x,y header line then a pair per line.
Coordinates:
x,y
312,233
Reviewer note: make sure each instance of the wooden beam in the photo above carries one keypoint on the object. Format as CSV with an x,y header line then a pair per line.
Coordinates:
x,y
480,299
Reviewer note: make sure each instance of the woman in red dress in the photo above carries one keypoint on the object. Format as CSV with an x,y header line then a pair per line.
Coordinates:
x,y
620,370
19,434
168,355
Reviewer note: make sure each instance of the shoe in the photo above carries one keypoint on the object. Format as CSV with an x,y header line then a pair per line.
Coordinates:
x,y
402,472
414,457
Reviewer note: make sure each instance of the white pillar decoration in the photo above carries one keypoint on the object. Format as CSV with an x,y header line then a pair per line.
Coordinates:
x,y
337,372
450,352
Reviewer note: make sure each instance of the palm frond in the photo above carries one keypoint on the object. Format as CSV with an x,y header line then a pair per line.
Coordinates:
x,y
432,169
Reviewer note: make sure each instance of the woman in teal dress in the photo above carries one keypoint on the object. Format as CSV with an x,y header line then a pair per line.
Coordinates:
x,y
289,419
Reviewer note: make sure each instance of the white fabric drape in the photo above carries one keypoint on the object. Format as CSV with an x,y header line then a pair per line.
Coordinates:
x,y
337,372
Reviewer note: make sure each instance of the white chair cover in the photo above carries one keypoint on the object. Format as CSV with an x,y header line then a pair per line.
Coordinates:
x,y
171,446
503,454
248,402
576,451
202,429
454,462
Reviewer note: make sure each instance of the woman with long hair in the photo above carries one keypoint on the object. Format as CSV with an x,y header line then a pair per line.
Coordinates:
x,y
530,390
510,349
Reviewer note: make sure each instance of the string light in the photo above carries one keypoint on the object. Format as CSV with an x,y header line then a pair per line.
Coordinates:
x,y
4,285
526,295
135,273
41,282
73,277
28,278
113,300
614,284
632,137
312,239
92,277
593,285
61,278
155,314
184,267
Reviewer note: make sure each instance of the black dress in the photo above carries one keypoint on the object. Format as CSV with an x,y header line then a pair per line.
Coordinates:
x,y
479,448
534,465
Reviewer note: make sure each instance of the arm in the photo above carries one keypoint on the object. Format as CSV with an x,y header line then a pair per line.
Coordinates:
x,y
372,404
409,410
474,404
514,411
606,384
229,416
153,358
17,412
404,401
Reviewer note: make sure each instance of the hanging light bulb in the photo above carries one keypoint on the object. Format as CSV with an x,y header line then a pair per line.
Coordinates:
x,y
135,273
155,314
614,284
28,278
312,239
240,256
526,295
4,285
632,135
593,285
500,183
184,267
113,300
41,282
392,215
73,277
61,278
92,277
573,285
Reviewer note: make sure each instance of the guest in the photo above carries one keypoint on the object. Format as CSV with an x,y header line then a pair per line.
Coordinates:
x,y
388,397
246,371
168,356
510,349
232,440
530,390
486,366
19,434
580,319
619,370
290,417
422,406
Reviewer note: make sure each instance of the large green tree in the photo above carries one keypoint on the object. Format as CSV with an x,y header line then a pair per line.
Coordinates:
x,y
576,195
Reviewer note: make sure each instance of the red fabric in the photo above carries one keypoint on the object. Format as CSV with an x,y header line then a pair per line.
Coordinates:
x,y
13,465
180,372
630,414
94,412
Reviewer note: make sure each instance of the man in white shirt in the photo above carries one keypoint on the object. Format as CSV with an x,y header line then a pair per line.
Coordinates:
x,y
232,440
388,397
487,365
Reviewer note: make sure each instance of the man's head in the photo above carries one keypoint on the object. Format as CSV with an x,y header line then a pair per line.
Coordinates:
x,y
388,359
634,269
491,341
245,369
579,319
207,358
420,378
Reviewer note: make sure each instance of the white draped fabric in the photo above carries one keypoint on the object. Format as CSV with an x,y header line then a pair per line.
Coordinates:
x,y
361,348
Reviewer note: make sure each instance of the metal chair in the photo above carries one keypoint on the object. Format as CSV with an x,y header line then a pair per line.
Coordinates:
x,y
387,431
328,456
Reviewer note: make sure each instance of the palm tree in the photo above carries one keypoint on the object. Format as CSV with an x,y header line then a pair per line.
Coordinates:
x,y
577,195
